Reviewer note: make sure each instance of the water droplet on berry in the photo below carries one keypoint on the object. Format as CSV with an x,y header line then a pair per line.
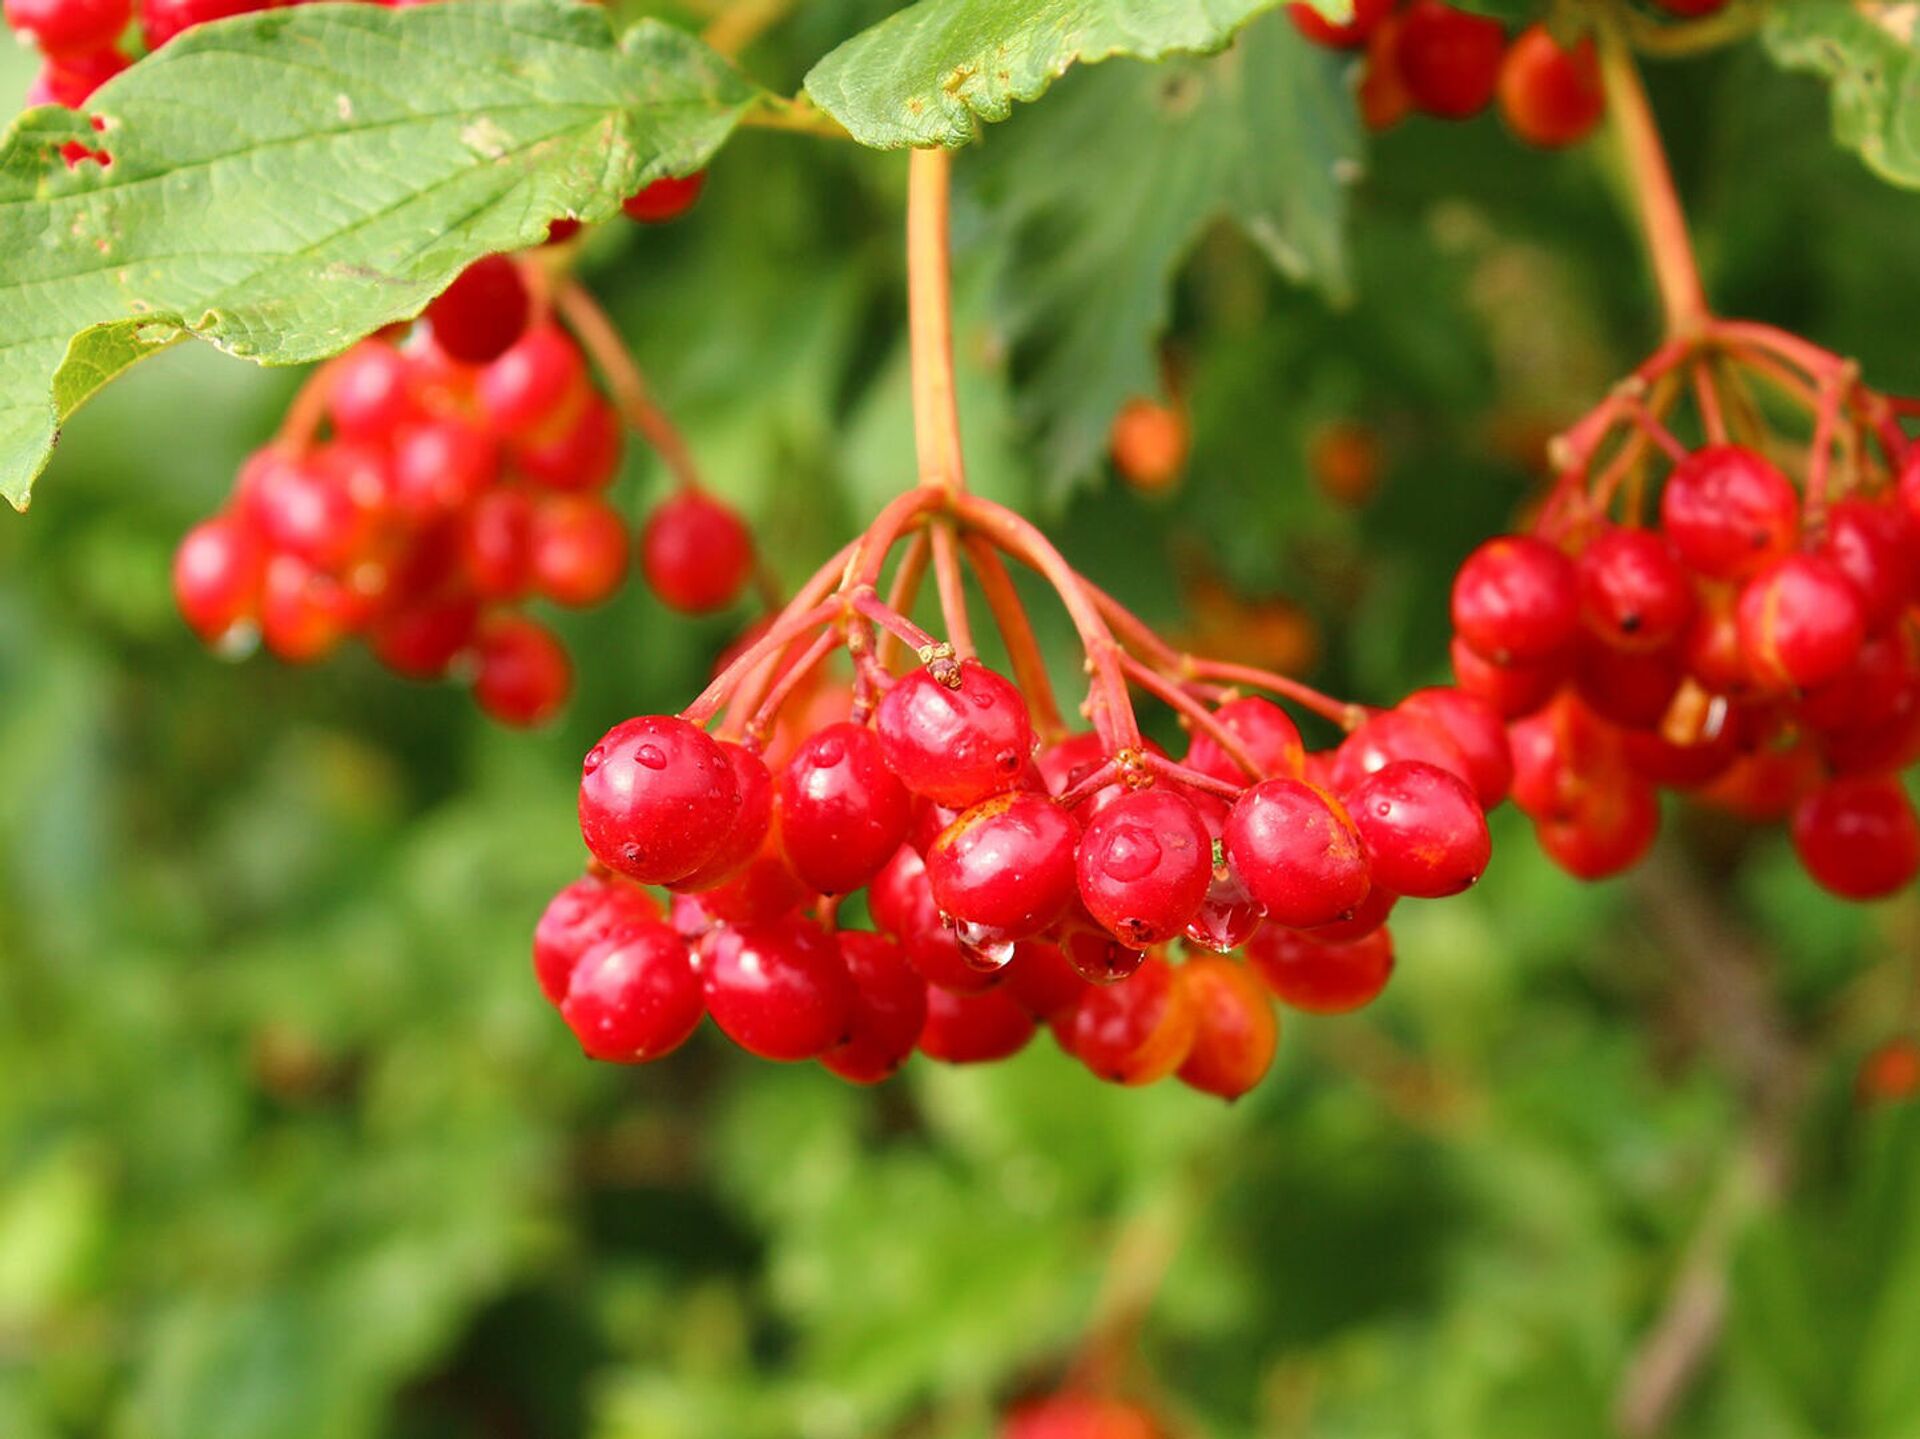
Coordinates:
x,y
829,751
652,756
1006,761
593,760
980,946
1132,853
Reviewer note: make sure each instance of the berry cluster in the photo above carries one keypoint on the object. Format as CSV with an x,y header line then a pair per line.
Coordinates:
x,y
1733,617
1428,57
426,485
1015,874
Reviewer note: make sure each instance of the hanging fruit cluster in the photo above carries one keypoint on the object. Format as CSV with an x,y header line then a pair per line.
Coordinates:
x,y
1731,616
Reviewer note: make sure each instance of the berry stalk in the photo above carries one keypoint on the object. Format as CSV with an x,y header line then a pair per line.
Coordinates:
x,y
629,388
936,411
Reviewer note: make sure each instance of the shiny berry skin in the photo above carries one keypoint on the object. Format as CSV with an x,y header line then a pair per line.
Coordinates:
x,y
1633,688
1097,957
535,387
842,811
494,544
1149,443
161,20
522,675
1383,96
889,1009
442,465
1513,689
69,27
1264,730
1235,1028
634,997
1857,836
657,798
1394,735
1729,512
955,746
577,551
1137,1031
665,199
1474,726
1449,59
1042,979
72,79
973,1028
1296,851
1550,96
477,318
368,392
578,918
695,553
1883,682
1373,912
1600,826
1800,623
579,457
303,507
1633,593
901,900
422,639
1144,863
216,575
1877,548
305,614
751,822
1309,974
781,991
1425,834
762,891
1004,869
1516,600
1348,35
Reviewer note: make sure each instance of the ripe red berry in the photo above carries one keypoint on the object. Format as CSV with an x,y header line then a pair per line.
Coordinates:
x,y
523,676
72,79
657,798
1096,956
1600,826
421,639
304,508
1393,735
665,199
696,553
578,550
781,991
161,20
368,393
762,891
1549,95
1632,688
1149,444
1729,512
441,465
479,316
1264,730
1235,1028
1514,689
1516,600
1858,837
955,746
1346,35
1876,547
1297,853
1800,623
1633,594
1425,834
973,1028
581,456
1136,1031
1042,980
578,918
842,811
634,997
495,548
216,575
1144,864
1474,726
751,822
63,28
1309,974
1449,59
1004,870
304,613
889,1009
1383,96
535,388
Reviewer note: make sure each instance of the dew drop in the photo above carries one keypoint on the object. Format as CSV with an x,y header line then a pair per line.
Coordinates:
x,y
980,945
595,757
652,756
1132,853
829,752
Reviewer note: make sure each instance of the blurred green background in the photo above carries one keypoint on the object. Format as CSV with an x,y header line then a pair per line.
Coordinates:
x,y
290,1147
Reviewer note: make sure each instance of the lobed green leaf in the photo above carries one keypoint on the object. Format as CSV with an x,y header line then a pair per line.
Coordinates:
x,y
1869,52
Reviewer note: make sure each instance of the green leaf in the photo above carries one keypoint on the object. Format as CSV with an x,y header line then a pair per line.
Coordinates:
x,y
932,73
284,183
1867,51
1106,191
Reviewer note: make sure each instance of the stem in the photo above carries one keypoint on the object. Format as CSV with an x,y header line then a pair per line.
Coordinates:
x,y
768,710
752,683
743,22
789,627
1662,221
952,586
1197,715
936,412
904,589
795,117
1347,716
1023,650
1707,398
308,411
869,606
628,386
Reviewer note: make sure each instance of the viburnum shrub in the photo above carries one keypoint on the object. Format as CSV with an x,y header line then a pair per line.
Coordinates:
x,y
1018,872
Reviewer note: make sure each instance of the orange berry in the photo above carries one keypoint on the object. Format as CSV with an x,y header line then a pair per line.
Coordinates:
x,y
1149,443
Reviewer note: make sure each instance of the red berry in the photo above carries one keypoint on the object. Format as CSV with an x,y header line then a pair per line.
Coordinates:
x,y
1136,1031
751,822
1097,957
304,614
216,575
1394,735
1728,512
1633,593
1042,979
496,549
1474,726
696,553
1004,870
1373,912
161,20
959,745
1513,689
665,199
582,457
1632,688
305,508
1516,600
1600,826
578,918
442,465
1144,864
1449,59
524,675
842,811
781,991
1858,837
1425,835
889,1009
634,996
422,639
579,550
63,28
1874,546
973,1028
477,318
72,79
1235,1028
1384,100
368,392
763,891
1800,623
1297,853
1264,730
1549,95
657,798
1306,973
1346,35
535,388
